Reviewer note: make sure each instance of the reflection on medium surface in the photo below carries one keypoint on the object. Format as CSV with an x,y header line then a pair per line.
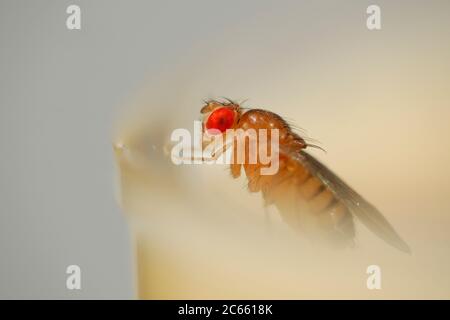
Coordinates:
x,y
199,234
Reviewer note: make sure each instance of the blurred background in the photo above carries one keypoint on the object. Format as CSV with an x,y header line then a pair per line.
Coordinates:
x,y
378,101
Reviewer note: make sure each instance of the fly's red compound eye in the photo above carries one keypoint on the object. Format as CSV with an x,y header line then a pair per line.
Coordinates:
x,y
220,119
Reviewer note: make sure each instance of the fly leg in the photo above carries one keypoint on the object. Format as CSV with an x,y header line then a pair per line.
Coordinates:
x,y
212,155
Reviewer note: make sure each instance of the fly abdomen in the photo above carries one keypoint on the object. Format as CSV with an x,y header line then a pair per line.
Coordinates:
x,y
323,215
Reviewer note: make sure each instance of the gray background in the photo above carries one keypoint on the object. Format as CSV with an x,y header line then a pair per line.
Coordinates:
x,y
60,91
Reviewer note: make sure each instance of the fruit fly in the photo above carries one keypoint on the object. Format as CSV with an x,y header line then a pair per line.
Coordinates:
x,y
309,197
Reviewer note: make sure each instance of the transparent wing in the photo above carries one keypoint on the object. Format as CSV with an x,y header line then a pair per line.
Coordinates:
x,y
356,204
